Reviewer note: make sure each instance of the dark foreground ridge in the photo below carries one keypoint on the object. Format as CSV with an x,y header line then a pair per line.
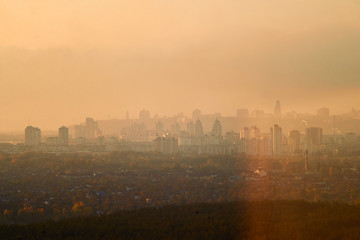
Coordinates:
x,y
230,220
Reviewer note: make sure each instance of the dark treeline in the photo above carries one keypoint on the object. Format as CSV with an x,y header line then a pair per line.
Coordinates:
x,y
232,220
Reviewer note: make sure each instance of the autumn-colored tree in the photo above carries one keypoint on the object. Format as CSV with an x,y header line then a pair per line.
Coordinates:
x,y
79,209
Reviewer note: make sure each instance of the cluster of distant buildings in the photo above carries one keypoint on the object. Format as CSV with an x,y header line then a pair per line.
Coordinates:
x,y
199,134
250,141
33,137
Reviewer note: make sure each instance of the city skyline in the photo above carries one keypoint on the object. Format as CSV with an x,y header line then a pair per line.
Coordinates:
x,y
252,114
181,119
194,140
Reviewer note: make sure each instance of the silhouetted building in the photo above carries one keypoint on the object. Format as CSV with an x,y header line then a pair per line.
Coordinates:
x,y
254,132
144,115
190,127
196,114
258,113
265,144
166,144
63,135
276,133
159,128
294,140
175,128
216,129
232,138
245,133
32,136
199,131
314,135
91,127
79,131
277,109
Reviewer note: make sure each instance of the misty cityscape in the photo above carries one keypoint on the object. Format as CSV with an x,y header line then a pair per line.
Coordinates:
x,y
250,133
181,119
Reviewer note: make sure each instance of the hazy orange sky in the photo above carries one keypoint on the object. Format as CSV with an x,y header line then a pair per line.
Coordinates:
x,y
64,60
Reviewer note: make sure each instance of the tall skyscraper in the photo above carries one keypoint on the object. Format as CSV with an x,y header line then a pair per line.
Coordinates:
x,y
277,109
91,127
314,135
79,131
32,136
306,156
276,133
144,116
190,127
159,128
63,135
254,132
199,131
196,114
216,129
245,133
265,144
175,128
294,140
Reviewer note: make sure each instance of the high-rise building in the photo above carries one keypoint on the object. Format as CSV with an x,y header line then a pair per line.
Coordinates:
x,y
277,109
175,128
245,133
265,143
144,115
306,156
276,133
166,144
80,131
32,136
232,137
254,132
91,127
258,113
294,140
190,127
196,114
216,129
159,128
63,135
199,131
314,135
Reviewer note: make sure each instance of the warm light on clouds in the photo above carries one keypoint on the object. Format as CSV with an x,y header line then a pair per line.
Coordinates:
x,y
61,61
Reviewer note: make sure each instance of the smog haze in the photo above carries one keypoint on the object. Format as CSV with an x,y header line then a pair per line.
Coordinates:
x,y
61,61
